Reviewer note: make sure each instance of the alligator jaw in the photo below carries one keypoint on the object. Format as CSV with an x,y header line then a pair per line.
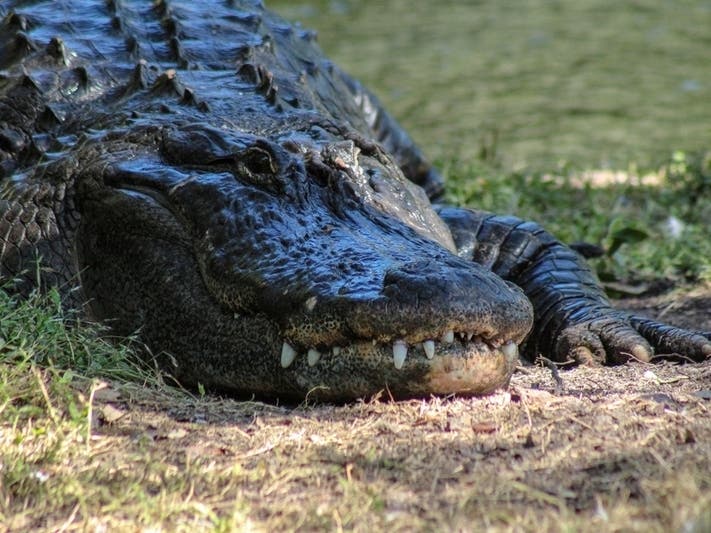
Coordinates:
x,y
456,363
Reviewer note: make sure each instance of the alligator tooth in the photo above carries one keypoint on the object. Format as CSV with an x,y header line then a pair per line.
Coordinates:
x,y
399,353
470,334
336,350
288,354
313,356
310,303
510,349
448,337
429,349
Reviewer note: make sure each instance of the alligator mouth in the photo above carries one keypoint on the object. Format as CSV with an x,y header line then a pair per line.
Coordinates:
x,y
459,363
449,343
446,343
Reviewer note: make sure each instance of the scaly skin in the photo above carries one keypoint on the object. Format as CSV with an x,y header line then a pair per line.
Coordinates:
x,y
203,175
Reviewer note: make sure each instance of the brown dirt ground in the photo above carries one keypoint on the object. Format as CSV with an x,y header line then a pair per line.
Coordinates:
x,y
610,449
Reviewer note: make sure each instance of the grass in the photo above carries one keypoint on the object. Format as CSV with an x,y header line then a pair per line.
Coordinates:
x,y
59,472
53,397
36,331
614,451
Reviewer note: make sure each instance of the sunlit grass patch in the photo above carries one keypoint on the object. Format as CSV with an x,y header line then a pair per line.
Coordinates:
x,y
57,469
37,330
650,224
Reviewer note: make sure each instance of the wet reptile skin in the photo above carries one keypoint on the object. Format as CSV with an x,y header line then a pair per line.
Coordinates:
x,y
200,173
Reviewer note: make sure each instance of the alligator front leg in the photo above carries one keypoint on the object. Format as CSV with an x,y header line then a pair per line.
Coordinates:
x,y
573,316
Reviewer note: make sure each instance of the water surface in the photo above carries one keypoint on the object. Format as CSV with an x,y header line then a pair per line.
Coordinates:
x,y
537,83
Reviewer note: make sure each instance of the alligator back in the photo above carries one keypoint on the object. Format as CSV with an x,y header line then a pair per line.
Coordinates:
x,y
72,72
69,67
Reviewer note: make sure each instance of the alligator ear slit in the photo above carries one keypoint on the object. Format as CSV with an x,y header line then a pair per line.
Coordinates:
x,y
222,160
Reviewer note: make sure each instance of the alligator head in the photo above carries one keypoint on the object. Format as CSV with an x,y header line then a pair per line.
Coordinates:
x,y
289,266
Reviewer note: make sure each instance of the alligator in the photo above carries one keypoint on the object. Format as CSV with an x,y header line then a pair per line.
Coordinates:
x,y
199,173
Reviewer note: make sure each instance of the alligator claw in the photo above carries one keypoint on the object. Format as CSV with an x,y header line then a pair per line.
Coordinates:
x,y
670,339
627,338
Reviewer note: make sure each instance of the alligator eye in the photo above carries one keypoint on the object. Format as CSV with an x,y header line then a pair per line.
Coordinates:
x,y
259,161
257,166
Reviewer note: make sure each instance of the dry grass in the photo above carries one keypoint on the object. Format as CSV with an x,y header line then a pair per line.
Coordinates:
x,y
614,449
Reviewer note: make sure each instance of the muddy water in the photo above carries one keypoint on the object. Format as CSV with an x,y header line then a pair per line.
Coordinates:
x,y
531,83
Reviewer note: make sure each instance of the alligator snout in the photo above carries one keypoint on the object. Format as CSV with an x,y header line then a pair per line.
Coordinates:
x,y
423,308
430,329
454,295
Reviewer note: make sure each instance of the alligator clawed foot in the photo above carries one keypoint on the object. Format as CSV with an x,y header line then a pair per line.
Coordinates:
x,y
603,341
628,338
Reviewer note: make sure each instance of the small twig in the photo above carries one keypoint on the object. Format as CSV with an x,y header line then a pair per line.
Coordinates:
x,y
390,394
672,380
567,362
253,453
664,464
669,356
522,394
50,408
554,371
637,359
69,520
3,406
435,480
578,421
95,386
538,494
